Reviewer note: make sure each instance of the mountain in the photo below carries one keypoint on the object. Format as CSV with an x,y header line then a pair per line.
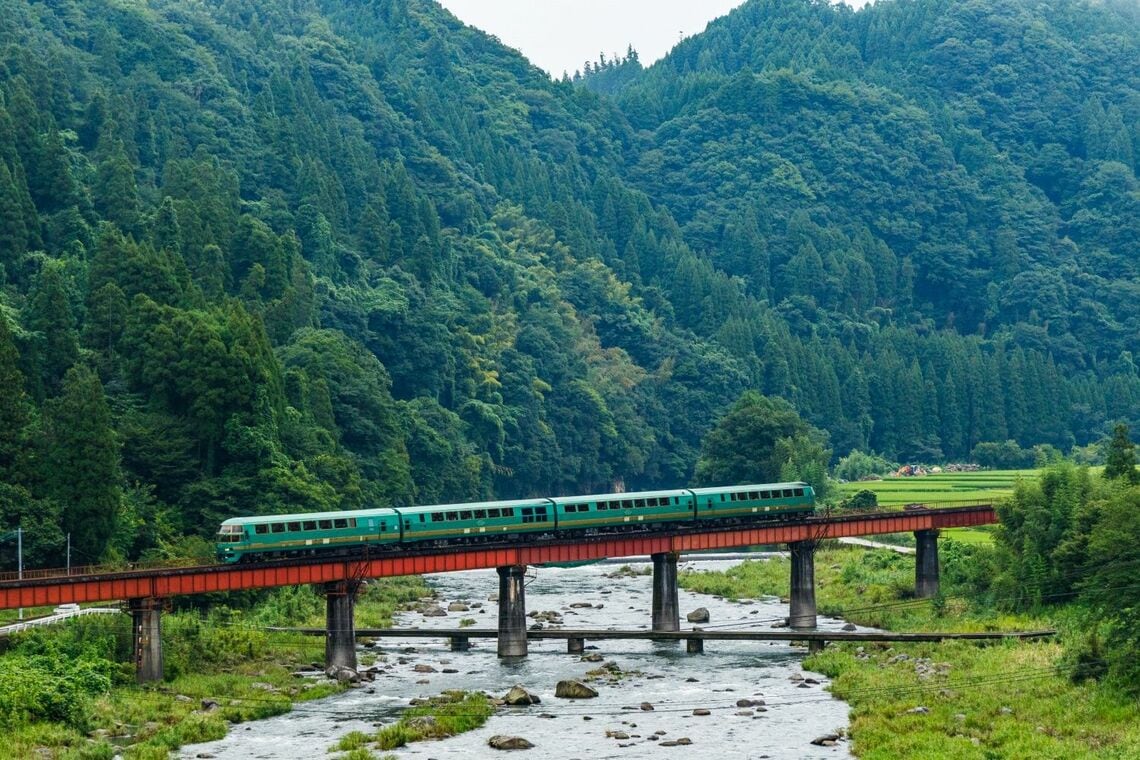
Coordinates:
x,y
319,254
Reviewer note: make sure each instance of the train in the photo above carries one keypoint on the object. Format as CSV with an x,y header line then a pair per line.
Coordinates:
x,y
255,539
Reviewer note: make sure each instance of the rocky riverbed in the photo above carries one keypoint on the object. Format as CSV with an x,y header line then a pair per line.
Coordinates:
x,y
737,700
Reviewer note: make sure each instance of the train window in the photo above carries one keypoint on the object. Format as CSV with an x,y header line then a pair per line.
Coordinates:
x,y
294,527
325,524
787,493
508,511
722,497
571,508
309,525
493,513
260,529
540,512
799,492
765,494
278,527
480,514
352,522
452,515
527,515
340,522
639,502
383,527
754,495
423,517
436,516
465,514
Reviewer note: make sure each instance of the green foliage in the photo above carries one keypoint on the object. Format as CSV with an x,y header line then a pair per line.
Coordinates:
x,y
1003,456
761,440
446,715
859,464
1120,462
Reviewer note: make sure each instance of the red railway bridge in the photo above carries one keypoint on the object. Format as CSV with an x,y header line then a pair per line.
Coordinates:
x,y
146,589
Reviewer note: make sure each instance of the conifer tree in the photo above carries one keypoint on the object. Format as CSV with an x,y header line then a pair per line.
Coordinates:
x,y
80,458
1121,460
14,405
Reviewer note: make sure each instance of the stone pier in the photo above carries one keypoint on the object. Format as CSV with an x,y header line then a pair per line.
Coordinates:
x,y
146,618
802,613
926,564
512,611
666,611
340,624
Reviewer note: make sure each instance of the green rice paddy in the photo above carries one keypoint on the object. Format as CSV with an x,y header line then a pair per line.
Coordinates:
x,y
945,489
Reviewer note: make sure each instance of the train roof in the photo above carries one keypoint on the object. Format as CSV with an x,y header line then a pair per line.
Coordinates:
x,y
748,487
381,512
537,501
618,496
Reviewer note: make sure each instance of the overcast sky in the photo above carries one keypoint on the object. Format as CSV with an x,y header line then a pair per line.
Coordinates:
x,y
561,35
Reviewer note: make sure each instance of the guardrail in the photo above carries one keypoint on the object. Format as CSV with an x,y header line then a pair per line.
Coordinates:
x,y
8,630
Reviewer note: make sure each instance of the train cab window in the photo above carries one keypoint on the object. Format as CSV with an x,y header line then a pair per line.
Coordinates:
x,y
437,516
309,525
383,527
352,522
294,527
493,513
261,529
480,514
799,492
340,522
278,527
325,524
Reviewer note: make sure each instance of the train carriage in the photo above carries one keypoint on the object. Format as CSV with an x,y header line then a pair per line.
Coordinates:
x,y
309,533
601,512
775,501
476,521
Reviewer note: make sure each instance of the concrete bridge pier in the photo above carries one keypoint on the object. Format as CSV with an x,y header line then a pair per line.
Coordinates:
x,y
666,610
512,611
926,564
802,612
146,618
340,624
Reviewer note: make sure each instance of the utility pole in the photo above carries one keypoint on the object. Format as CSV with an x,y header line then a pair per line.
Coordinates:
x,y
20,563
69,554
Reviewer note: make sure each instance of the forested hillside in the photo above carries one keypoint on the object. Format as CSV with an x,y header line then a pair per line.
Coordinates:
x,y
318,254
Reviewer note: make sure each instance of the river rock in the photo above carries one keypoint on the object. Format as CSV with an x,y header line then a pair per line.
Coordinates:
x,y
920,710
592,657
617,734
508,742
684,741
848,627
749,702
574,690
702,711
699,615
458,607
434,611
647,707
520,696
826,740
421,668
209,705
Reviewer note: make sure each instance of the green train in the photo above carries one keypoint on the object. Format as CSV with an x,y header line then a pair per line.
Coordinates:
x,y
246,539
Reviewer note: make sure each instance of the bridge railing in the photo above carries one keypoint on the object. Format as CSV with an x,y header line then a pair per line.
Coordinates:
x,y
81,570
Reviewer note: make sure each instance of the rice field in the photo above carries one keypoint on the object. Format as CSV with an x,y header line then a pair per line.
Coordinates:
x,y
945,488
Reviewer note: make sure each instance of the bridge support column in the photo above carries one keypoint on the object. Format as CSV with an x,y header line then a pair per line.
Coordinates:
x,y
802,613
340,625
512,611
575,646
146,617
926,564
666,610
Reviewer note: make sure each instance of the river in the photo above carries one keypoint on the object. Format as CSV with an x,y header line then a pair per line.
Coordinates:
x,y
662,674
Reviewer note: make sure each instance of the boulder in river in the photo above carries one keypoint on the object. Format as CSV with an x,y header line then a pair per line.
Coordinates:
x,y
520,696
699,615
500,741
434,611
421,668
574,690
457,607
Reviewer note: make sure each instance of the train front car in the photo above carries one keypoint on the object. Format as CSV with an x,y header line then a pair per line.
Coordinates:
x,y
231,542
299,535
776,502
617,512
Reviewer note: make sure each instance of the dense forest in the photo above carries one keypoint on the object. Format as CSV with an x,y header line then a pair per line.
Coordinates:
x,y
319,254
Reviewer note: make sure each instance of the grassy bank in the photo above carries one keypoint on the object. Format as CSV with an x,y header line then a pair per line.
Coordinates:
x,y
952,700
69,690
449,714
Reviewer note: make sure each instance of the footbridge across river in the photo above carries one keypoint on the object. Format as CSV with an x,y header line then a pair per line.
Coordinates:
x,y
146,589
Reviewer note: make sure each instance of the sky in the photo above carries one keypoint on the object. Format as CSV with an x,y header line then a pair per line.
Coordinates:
x,y
561,35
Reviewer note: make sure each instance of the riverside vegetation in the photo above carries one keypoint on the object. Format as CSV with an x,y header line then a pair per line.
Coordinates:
x,y
71,689
1061,558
